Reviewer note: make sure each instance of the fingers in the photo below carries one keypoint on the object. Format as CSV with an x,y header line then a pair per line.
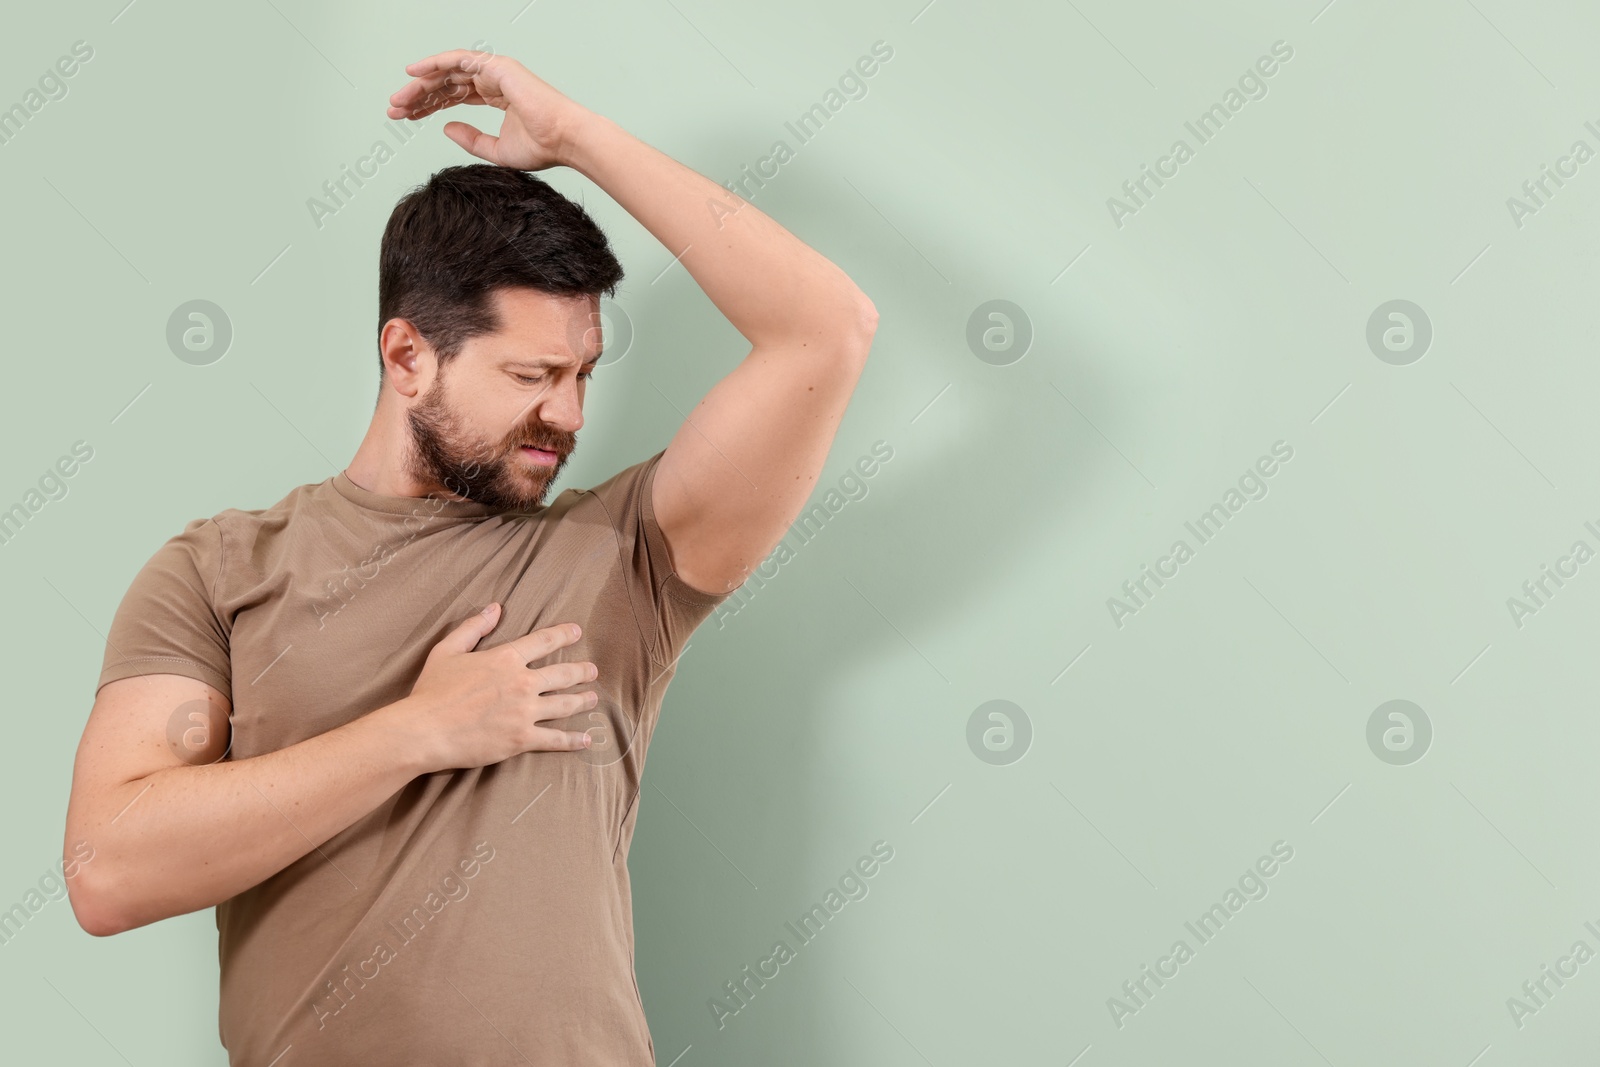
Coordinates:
x,y
545,640
445,75
417,87
422,111
456,57
564,706
555,676
546,739
473,140
423,101
451,84
465,637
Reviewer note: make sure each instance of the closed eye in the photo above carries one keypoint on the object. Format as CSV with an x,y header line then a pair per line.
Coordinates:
x,y
528,380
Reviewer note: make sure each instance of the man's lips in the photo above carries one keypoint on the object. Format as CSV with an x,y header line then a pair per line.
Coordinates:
x,y
540,455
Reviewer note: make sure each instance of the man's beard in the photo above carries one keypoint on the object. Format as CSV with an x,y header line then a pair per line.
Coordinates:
x,y
493,473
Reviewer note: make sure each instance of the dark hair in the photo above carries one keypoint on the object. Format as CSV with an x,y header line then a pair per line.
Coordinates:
x,y
473,229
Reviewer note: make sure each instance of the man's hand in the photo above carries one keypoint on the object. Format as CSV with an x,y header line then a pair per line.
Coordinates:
x,y
540,122
473,708
208,828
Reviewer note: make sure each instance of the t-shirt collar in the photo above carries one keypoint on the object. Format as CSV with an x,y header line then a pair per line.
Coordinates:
x,y
409,505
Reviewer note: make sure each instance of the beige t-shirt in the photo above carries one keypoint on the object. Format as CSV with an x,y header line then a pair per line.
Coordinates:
x,y
478,916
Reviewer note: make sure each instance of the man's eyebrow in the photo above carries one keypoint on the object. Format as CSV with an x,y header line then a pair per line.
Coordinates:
x,y
550,361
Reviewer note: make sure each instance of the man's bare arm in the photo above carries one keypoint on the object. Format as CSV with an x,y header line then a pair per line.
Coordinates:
x,y
746,459
171,836
173,832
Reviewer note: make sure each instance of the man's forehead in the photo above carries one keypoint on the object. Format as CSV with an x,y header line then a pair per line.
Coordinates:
x,y
545,330
523,304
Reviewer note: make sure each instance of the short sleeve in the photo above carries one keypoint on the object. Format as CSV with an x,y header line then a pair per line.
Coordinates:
x,y
168,621
664,603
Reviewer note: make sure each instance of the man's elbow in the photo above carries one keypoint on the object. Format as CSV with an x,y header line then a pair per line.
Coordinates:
x,y
868,316
94,904
864,325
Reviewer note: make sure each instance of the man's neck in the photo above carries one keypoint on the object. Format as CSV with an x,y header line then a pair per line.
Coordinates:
x,y
378,465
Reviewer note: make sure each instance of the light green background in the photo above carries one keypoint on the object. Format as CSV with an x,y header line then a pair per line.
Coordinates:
x,y
1229,313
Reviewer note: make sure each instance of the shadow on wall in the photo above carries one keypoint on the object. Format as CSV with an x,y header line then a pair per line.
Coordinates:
x,y
741,761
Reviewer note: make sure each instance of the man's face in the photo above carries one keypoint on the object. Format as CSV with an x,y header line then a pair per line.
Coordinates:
x,y
522,386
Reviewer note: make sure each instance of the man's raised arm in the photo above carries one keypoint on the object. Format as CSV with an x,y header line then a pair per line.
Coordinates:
x,y
745,461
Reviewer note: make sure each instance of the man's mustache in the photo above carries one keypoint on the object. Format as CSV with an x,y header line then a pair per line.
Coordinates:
x,y
559,445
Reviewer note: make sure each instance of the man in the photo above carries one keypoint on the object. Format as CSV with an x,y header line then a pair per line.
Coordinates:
x,y
320,718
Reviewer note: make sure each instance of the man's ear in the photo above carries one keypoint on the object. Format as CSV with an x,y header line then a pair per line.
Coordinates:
x,y
408,361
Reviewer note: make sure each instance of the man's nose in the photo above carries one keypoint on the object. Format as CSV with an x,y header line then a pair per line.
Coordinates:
x,y
562,409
